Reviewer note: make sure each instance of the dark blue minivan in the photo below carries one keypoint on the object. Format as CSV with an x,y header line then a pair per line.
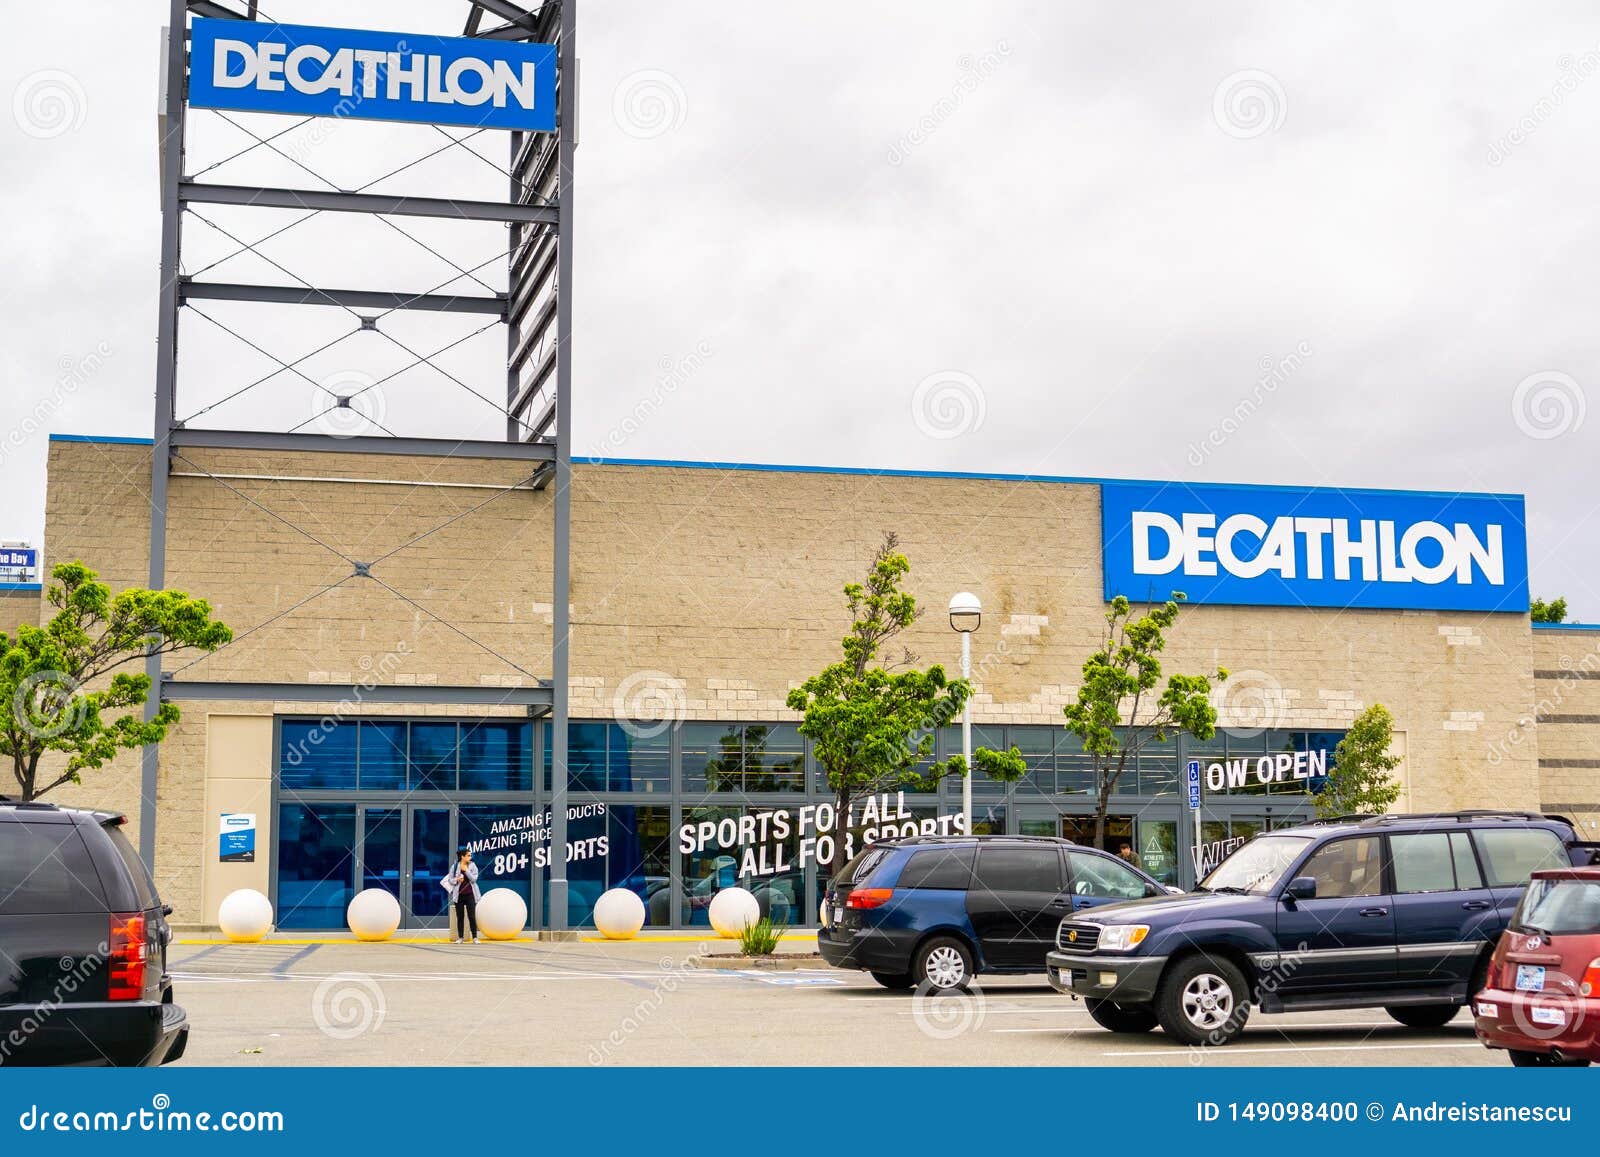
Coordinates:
x,y
936,911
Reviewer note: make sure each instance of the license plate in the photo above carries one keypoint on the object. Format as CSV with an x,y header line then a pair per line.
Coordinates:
x,y
838,915
1530,978
1487,1009
1552,1016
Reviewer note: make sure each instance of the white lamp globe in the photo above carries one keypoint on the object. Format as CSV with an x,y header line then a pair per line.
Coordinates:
x,y
966,612
619,914
502,914
245,916
732,911
374,914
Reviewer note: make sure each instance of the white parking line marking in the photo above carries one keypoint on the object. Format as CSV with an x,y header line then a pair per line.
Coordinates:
x,y
1233,1050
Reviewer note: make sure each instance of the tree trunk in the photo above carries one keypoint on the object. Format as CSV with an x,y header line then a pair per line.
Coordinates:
x,y
841,805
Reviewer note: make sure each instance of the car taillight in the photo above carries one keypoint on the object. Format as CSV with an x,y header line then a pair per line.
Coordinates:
x,y
1591,978
127,960
869,897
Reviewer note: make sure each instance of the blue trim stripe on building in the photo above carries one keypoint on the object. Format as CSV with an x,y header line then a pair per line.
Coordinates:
x,y
110,439
21,586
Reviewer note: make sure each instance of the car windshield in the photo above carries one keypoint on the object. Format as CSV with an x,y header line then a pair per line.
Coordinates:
x,y
1559,907
1257,866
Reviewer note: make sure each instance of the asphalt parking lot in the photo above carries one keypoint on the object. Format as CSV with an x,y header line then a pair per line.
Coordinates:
x,y
644,1003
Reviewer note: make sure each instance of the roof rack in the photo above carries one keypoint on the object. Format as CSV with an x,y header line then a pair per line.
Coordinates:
x,y
1352,818
1462,816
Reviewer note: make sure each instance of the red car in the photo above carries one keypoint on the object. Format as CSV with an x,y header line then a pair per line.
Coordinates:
x,y
1542,1000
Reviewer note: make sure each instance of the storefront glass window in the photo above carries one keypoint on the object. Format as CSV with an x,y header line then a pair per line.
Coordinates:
x,y
433,757
383,755
641,758
640,858
316,864
1158,849
317,757
768,866
496,756
498,836
748,759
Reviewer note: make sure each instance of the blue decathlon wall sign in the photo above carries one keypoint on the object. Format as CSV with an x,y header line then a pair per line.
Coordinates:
x,y
393,76
1280,546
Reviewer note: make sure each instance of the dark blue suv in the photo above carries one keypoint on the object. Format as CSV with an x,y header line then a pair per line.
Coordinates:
x,y
1398,912
938,910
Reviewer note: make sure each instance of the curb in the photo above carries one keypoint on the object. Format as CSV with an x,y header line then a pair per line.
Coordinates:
x,y
783,962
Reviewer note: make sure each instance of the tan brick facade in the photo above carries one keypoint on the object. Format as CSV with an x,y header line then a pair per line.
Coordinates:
x,y
719,589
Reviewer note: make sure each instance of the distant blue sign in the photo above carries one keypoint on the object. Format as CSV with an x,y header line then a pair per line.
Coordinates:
x,y
393,76
1194,785
18,558
1287,547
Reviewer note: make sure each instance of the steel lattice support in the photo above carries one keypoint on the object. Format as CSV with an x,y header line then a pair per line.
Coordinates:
x,y
536,311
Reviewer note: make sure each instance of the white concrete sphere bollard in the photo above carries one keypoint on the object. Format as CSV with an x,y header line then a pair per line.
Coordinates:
x,y
732,911
502,914
374,914
619,914
245,916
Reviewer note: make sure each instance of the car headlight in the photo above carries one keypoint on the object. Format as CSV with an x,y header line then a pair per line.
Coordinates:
x,y
1123,937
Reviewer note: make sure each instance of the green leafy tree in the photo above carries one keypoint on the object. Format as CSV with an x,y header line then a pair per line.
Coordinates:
x,y
1122,705
44,671
1358,782
872,727
1554,611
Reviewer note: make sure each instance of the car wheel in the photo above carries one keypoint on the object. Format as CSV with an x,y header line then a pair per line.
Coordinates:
x,y
1203,1000
943,964
1423,1015
895,980
1527,1060
1121,1017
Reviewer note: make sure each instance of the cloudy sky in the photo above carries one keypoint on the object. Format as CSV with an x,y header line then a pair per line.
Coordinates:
x,y
1285,242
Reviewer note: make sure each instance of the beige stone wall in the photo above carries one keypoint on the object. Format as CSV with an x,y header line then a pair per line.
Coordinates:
x,y
18,607
1567,684
718,590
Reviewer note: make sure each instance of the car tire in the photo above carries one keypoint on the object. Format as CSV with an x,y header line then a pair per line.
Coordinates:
x,y
894,980
1423,1015
1527,1060
1129,1018
1203,1000
943,964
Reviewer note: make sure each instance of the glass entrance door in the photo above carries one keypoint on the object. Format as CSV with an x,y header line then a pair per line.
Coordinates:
x,y
430,859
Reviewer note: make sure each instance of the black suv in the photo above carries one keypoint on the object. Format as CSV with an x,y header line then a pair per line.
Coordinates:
x,y
1398,912
83,944
936,910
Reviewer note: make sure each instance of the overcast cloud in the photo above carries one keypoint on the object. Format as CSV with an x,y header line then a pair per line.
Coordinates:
x,y
1285,242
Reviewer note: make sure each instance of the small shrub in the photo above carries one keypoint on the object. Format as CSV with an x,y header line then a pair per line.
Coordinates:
x,y
760,938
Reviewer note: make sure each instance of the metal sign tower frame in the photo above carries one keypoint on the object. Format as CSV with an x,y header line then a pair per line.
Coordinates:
x,y
536,310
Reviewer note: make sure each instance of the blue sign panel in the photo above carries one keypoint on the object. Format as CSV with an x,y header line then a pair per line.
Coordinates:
x,y
236,842
1194,785
393,76
1279,546
18,558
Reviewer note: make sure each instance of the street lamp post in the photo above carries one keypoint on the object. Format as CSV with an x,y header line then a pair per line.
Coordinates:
x,y
966,612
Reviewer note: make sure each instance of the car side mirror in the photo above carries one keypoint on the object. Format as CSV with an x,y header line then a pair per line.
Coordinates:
x,y
1302,888
1174,890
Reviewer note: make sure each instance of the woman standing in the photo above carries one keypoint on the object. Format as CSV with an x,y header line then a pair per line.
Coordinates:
x,y
463,885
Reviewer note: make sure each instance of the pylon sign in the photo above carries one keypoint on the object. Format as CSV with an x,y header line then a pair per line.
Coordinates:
x,y
347,72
